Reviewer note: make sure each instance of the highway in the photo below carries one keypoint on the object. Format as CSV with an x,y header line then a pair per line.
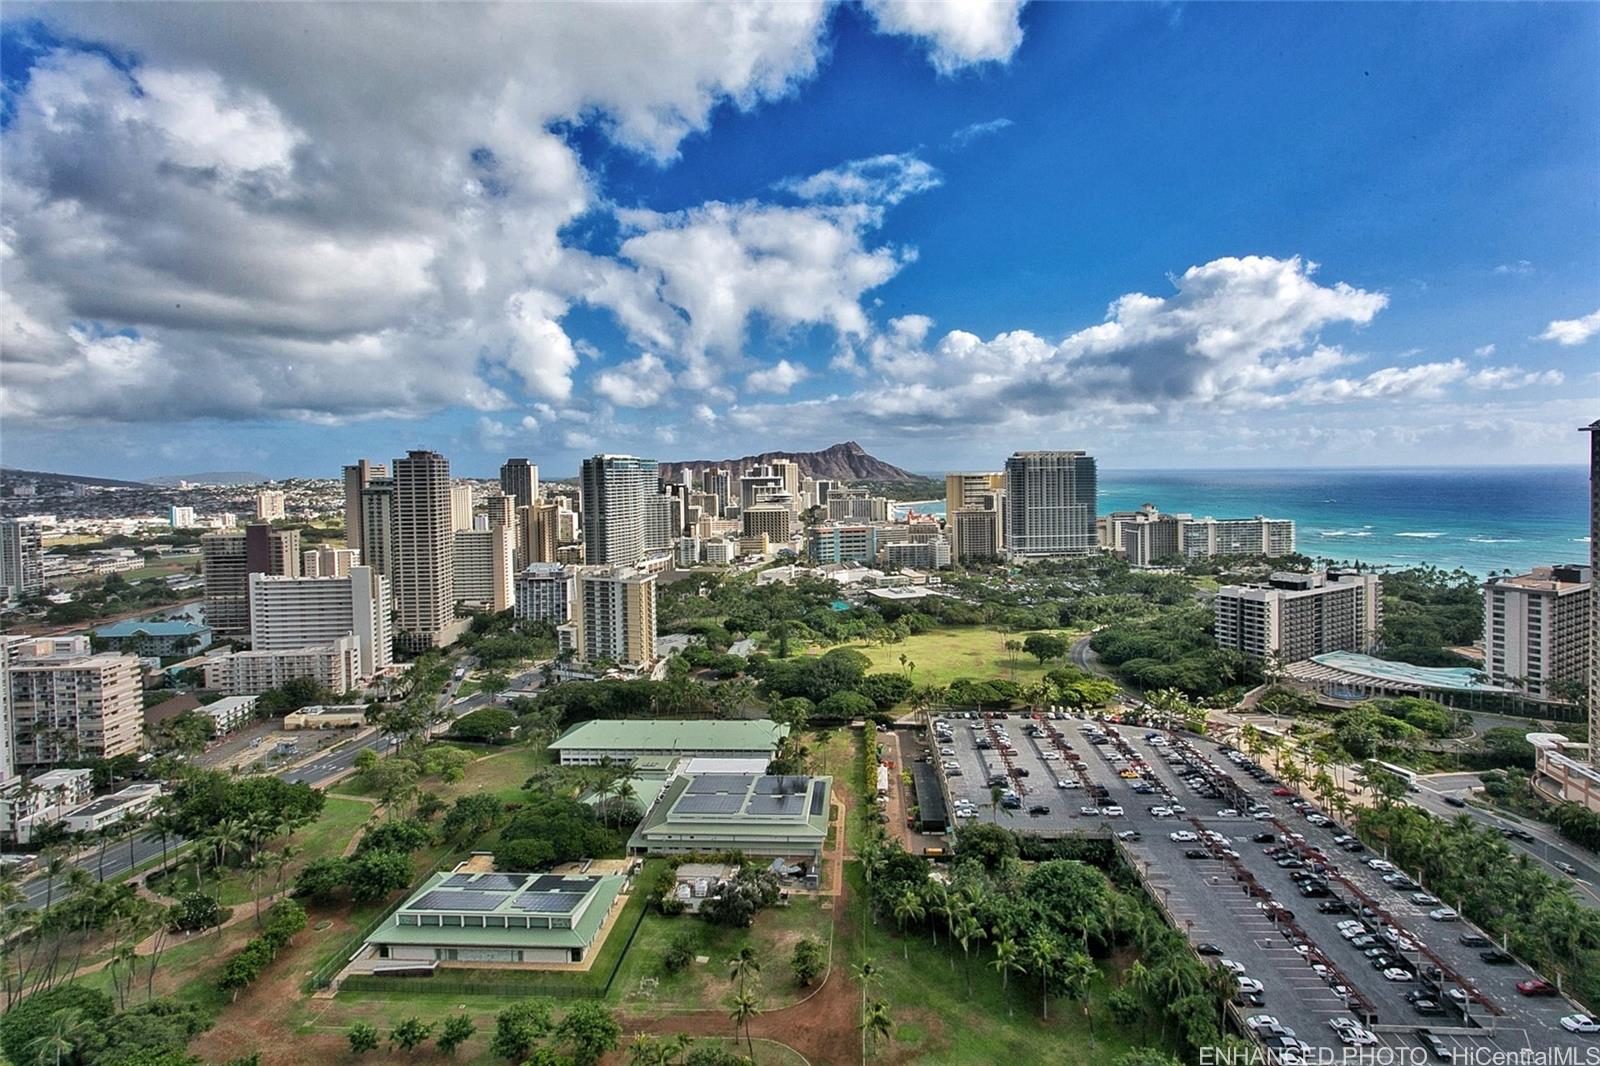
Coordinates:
x,y
135,850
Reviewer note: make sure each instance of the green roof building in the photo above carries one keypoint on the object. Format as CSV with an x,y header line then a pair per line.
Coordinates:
x,y
627,739
509,919
758,814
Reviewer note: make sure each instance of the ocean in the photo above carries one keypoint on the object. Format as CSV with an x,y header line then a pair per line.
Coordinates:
x,y
1474,519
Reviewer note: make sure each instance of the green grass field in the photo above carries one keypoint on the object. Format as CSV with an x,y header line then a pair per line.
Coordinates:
x,y
322,839
942,655
643,984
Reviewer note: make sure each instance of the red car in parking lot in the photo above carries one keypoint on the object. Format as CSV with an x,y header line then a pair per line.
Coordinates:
x,y
1282,791
1536,987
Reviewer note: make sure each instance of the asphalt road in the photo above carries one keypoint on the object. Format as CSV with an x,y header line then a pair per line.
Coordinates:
x,y
135,850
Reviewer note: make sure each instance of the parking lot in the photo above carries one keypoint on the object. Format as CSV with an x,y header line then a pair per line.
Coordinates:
x,y
1240,904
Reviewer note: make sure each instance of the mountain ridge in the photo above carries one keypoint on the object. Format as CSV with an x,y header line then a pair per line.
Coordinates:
x,y
845,461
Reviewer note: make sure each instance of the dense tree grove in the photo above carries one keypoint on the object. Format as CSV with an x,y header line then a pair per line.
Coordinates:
x,y
1503,892
551,829
1426,611
85,1028
1173,650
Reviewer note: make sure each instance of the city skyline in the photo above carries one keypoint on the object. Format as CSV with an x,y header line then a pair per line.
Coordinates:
x,y
1067,226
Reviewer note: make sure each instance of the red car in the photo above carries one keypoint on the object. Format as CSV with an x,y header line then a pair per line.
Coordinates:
x,y
1536,988
1282,791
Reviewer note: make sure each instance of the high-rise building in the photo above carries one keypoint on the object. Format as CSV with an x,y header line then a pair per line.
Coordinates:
x,y
21,557
663,522
966,490
70,707
773,519
424,583
613,618
614,489
538,533
289,613
460,507
270,504
1593,429
500,509
335,666
1207,538
931,554
1295,616
485,567
545,592
356,478
228,558
977,529
837,542
1537,629
789,472
718,483
8,762
328,562
519,479
380,534
757,488
180,517
1050,504
857,505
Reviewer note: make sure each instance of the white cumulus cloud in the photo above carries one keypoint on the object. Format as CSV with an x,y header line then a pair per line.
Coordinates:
x,y
1572,331
961,33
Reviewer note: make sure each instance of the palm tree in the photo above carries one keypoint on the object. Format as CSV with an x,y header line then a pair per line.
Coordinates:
x,y
1007,959
876,1024
744,964
936,898
60,1039
865,974
745,1009
1077,974
968,931
1044,949
908,908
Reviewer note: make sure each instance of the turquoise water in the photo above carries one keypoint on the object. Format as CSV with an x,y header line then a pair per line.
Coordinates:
x,y
1478,519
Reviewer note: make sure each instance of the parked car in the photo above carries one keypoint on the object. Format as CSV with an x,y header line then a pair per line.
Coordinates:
x,y
1495,957
1038,809
1207,949
1444,914
1580,1023
1537,987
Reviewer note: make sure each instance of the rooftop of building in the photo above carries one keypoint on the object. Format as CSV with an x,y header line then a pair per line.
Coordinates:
x,y
1451,678
131,794
134,627
461,897
669,734
1565,577
753,805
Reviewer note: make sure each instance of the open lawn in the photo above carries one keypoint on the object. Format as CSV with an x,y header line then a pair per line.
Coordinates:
x,y
500,771
943,655
643,985
325,838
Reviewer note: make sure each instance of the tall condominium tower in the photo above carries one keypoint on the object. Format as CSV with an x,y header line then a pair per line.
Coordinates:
x,y
1050,504
21,557
1593,430
967,490
538,533
380,546
519,479
270,504
461,507
424,584
356,477
228,558
614,489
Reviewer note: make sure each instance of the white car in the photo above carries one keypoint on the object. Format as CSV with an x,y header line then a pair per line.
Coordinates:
x,y
1356,1036
1227,812
1250,986
1089,812
1381,864
1111,812
1178,808
1261,816
1580,1023
1235,968
1067,782
1161,812
1422,899
1261,1021
1443,914
1182,836
1395,973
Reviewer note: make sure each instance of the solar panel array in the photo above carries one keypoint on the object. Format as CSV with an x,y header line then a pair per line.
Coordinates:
x,y
719,783
790,804
698,803
463,900
488,882
821,794
550,902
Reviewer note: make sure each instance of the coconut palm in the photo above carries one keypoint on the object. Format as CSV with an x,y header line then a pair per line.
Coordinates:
x,y
1043,952
59,1040
745,964
968,932
1078,973
908,908
876,1023
745,1010
1007,960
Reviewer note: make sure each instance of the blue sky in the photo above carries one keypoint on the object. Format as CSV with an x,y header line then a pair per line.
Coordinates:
x,y
1175,235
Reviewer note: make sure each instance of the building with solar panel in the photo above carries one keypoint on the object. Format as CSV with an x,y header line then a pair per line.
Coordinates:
x,y
505,919
625,739
757,814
